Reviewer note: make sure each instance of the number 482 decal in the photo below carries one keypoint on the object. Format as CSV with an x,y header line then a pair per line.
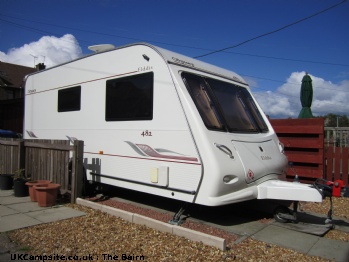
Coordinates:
x,y
146,133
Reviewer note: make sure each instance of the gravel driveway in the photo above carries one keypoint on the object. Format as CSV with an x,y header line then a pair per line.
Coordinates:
x,y
102,237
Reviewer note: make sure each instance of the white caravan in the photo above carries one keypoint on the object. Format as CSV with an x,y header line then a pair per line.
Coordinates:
x,y
162,123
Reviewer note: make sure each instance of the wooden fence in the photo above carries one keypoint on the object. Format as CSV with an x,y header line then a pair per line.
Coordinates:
x,y
315,150
11,156
337,159
337,136
304,146
54,160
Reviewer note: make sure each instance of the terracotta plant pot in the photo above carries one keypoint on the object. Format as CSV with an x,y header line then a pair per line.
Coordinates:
x,y
32,191
47,194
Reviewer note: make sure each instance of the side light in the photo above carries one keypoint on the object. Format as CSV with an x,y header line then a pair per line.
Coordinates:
x,y
281,147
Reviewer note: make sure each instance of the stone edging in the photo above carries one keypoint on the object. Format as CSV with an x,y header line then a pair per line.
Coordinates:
x,y
193,235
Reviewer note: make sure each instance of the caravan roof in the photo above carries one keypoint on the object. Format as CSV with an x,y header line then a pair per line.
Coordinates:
x,y
171,58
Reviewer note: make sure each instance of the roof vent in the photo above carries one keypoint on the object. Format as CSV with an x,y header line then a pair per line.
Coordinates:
x,y
101,48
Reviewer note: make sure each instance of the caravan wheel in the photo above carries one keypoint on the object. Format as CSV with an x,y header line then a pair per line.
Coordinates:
x,y
281,213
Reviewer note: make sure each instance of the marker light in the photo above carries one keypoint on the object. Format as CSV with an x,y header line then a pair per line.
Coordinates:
x,y
281,147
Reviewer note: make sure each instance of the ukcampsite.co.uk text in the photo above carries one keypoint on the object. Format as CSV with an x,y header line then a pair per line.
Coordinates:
x,y
56,257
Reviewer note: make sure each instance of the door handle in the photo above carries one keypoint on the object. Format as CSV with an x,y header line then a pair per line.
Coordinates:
x,y
225,149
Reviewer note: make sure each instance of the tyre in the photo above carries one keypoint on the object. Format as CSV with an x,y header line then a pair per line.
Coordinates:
x,y
279,211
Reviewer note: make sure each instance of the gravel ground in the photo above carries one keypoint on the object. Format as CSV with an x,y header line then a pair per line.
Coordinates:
x,y
102,237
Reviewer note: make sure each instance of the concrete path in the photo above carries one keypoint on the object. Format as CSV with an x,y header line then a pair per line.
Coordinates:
x,y
20,212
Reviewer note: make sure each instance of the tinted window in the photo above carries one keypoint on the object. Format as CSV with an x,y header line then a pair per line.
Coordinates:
x,y
237,106
198,90
130,98
223,105
69,99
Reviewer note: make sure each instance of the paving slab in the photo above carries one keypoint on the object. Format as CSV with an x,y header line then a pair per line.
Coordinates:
x,y
25,207
20,212
5,211
331,249
247,229
54,214
16,221
229,221
314,229
11,199
286,238
344,228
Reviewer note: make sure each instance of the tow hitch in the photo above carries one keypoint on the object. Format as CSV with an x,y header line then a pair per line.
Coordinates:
x,y
283,214
326,188
330,189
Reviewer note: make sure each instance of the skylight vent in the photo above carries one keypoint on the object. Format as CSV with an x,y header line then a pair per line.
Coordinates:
x,y
101,48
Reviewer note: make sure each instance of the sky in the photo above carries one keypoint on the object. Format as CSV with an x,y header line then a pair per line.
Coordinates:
x,y
283,47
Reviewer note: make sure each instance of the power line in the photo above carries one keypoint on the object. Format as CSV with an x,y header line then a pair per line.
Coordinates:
x,y
36,30
290,98
153,41
296,84
98,33
274,31
47,32
289,59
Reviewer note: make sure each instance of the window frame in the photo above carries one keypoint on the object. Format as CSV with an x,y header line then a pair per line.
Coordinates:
x,y
245,104
65,101
145,96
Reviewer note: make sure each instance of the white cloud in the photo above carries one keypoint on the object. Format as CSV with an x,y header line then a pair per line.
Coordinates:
x,y
285,101
48,49
274,104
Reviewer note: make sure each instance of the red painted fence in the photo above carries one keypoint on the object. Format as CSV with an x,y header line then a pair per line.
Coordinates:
x,y
337,159
304,146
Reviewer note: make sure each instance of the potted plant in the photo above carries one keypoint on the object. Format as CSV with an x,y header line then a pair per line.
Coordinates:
x,y
19,186
46,194
6,181
32,191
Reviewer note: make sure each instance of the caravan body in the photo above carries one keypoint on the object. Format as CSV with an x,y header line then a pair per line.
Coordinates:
x,y
162,123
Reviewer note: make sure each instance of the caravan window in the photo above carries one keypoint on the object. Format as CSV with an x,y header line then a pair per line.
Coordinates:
x,y
223,105
69,99
198,90
130,98
238,107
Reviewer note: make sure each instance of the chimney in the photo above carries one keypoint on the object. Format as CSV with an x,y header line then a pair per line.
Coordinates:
x,y
40,66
